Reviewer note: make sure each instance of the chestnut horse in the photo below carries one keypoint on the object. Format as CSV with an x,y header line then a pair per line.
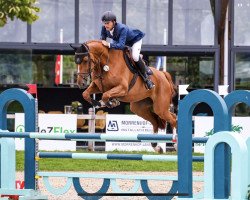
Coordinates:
x,y
111,77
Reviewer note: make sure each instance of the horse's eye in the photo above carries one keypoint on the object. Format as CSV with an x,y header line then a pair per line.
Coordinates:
x,y
85,59
78,59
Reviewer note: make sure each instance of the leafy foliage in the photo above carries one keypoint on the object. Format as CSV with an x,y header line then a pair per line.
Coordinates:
x,y
24,10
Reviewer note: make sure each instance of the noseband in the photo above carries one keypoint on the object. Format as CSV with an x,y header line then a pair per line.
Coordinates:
x,y
79,59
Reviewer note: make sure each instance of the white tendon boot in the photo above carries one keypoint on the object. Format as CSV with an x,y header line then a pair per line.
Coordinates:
x,y
174,139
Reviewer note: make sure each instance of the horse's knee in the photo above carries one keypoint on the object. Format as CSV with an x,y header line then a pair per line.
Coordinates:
x,y
105,97
132,107
86,95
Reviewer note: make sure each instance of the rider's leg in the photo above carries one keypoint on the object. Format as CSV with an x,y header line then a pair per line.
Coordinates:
x,y
145,76
148,70
136,48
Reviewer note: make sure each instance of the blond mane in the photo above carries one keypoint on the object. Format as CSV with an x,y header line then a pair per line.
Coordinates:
x,y
90,41
98,47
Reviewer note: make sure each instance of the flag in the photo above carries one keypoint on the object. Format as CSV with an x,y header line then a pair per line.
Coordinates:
x,y
183,89
223,89
32,89
58,69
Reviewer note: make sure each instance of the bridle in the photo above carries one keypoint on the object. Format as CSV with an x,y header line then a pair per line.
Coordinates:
x,y
83,75
79,60
96,64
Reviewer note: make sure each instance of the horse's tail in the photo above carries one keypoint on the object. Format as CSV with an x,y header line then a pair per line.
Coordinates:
x,y
161,122
172,86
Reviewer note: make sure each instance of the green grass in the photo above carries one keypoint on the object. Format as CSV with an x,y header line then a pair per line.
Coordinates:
x,y
63,164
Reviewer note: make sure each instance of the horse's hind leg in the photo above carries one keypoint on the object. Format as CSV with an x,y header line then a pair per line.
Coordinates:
x,y
161,107
164,113
143,109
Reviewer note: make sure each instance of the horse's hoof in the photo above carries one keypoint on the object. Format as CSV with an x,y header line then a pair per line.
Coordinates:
x,y
158,149
95,103
115,102
112,103
109,104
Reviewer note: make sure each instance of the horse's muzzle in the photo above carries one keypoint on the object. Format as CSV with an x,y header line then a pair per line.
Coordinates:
x,y
82,85
83,81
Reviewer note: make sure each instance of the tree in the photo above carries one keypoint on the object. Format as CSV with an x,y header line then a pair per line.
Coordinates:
x,y
24,10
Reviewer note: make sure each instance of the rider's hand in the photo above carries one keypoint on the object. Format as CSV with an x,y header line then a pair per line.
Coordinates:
x,y
105,43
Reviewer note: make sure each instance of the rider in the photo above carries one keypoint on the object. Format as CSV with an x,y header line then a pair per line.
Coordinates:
x,y
122,35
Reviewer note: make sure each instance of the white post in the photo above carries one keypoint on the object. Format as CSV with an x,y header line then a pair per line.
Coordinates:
x,y
91,123
226,50
61,58
164,60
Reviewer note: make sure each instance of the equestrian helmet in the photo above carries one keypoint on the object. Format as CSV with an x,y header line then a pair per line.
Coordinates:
x,y
108,16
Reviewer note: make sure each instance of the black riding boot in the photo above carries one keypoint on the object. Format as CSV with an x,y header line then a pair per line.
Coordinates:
x,y
144,75
148,70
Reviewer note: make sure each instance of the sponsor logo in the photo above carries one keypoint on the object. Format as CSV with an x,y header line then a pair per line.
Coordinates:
x,y
113,126
49,129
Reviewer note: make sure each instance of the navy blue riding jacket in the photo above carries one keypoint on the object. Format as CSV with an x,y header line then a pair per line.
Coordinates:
x,y
122,36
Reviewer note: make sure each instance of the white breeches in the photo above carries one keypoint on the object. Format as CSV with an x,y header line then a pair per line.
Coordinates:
x,y
136,49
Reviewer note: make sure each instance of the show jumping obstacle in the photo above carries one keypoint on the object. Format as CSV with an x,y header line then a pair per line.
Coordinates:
x,y
216,177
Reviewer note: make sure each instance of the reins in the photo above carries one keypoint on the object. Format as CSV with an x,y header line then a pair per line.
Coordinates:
x,y
100,76
92,68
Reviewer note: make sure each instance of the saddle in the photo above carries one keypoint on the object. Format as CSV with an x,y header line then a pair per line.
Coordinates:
x,y
127,54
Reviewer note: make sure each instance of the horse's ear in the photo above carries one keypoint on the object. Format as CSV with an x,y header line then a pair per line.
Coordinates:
x,y
85,47
73,47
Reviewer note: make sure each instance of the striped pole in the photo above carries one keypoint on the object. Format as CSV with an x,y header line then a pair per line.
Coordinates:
x,y
97,137
103,156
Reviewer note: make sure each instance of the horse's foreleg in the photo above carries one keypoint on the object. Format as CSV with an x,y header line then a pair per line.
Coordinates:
x,y
108,97
92,89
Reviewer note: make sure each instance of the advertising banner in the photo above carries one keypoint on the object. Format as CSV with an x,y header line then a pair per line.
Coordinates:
x,y
129,124
203,127
50,123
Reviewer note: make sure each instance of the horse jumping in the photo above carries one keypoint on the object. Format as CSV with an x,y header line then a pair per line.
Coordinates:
x,y
111,77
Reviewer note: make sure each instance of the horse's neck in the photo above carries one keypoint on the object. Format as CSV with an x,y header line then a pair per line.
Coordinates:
x,y
98,49
95,46
112,58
